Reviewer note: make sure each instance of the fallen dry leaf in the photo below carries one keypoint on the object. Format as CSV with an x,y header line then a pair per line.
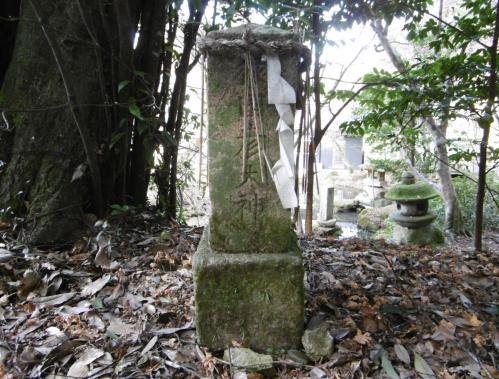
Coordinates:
x,y
402,353
362,338
54,299
422,368
473,320
94,287
444,331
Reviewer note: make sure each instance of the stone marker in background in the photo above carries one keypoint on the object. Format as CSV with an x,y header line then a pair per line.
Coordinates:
x,y
248,270
327,205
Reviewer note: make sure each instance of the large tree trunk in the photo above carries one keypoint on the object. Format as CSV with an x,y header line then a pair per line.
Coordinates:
x,y
454,222
174,123
148,61
163,172
9,14
65,111
46,144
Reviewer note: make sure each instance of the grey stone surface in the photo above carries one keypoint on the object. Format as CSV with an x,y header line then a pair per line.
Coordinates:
x,y
327,205
260,32
246,212
381,203
334,231
373,219
255,299
318,342
413,222
317,373
247,360
248,270
427,235
330,223
298,356
346,205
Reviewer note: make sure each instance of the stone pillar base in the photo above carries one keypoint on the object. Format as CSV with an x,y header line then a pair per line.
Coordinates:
x,y
427,235
254,299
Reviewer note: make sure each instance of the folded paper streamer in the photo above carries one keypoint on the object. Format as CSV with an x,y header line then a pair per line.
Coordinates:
x,y
283,95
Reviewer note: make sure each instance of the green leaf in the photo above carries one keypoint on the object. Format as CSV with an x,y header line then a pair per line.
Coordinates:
x,y
123,84
115,138
422,368
168,139
97,303
165,235
139,73
142,127
493,310
388,367
135,111
197,4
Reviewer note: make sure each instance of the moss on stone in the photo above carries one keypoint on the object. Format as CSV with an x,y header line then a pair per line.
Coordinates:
x,y
260,32
386,231
369,221
256,299
393,233
411,192
247,213
429,235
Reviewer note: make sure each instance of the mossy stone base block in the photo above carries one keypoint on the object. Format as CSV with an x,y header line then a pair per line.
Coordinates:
x,y
255,299
428,235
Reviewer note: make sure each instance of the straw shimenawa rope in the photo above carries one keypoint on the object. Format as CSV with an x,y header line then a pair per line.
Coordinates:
x,y
248,43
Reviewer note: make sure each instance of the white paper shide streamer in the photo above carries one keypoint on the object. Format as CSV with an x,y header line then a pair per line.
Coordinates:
x,y
282,95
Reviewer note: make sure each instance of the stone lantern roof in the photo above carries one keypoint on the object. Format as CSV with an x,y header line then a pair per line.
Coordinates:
x,y
410,190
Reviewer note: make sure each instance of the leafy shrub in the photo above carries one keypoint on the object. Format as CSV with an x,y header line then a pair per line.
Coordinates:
x,y
466,193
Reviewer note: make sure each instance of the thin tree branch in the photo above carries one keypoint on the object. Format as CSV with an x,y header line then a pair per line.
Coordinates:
x,y
453,27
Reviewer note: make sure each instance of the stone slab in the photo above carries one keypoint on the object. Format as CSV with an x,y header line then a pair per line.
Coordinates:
x,y
327,205
255,299
427,235
259,32
246,211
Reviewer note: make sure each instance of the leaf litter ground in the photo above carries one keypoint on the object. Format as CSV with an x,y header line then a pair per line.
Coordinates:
x,y
119,303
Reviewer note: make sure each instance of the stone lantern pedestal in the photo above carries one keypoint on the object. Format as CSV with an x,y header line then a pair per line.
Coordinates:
x,y
412,217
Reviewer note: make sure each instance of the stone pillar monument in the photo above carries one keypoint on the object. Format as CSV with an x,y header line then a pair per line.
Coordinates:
x,y
248,270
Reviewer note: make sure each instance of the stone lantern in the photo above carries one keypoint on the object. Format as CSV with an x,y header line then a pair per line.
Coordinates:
x,y
412,217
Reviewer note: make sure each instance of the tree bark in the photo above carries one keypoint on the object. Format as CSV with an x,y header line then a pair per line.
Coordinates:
x,y
318,45
163,172
66,113
46,145
9,14
175,115
485,123
454,223
148,61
